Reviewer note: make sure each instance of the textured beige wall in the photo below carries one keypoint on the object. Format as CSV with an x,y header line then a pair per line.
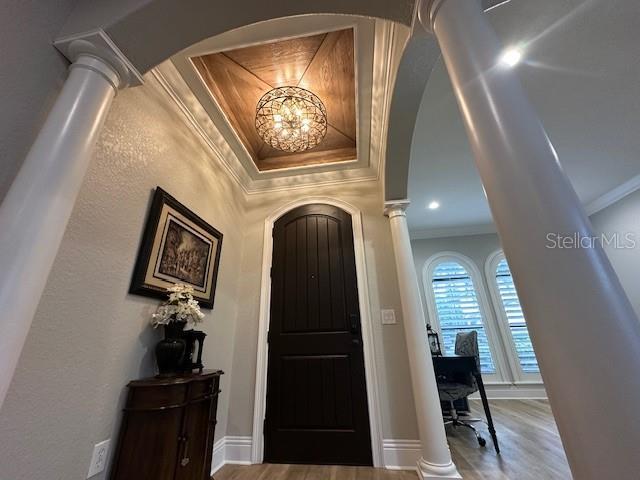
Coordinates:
x,y
391,358
89,337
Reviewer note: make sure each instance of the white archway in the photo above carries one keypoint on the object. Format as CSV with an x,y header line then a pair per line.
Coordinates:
x,y
371,376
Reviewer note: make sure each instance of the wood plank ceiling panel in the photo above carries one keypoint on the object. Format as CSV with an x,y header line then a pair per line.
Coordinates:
x,y
321,63
330,76
237,91
280,63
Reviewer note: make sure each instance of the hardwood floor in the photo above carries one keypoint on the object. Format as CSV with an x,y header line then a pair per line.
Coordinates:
x,y
309,472
529,444
529,441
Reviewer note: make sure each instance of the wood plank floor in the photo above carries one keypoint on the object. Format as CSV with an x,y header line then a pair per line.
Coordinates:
x,y
529,441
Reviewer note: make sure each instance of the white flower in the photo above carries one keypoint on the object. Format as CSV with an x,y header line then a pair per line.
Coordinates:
x,y
181,307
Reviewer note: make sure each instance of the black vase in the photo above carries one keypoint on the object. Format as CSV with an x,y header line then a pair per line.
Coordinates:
x,y
170,351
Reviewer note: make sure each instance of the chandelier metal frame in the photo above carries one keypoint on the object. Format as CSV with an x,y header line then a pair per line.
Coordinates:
x,y
291,119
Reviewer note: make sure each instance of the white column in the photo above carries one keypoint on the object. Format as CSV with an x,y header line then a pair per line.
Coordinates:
x,y
35,211
584,330
436,458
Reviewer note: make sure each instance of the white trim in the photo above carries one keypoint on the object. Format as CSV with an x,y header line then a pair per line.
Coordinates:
x,y
97,43
231,450
612,196
217,461
493,335
490,266
461,231
371,374
402,454
509,391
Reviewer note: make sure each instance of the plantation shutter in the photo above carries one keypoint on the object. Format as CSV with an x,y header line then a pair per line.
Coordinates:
x,y
515,318
458,310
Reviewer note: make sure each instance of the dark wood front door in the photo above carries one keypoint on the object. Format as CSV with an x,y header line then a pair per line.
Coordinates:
x,y
316,392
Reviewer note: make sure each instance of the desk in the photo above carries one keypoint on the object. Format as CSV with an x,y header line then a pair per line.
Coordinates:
x,y
465,365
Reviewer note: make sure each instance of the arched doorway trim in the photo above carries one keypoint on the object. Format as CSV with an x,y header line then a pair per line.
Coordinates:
x,y
373,398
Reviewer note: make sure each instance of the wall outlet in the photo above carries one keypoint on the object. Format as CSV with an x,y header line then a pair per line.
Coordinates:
x,y
388,316
99,458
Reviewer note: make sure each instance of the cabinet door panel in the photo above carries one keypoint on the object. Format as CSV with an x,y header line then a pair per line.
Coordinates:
x,y
149,446
192,453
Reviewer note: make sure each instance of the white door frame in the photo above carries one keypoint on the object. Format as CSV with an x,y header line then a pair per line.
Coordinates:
x,y
371,377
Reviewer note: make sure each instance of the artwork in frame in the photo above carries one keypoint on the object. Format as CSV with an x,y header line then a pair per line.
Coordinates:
x,y
177,247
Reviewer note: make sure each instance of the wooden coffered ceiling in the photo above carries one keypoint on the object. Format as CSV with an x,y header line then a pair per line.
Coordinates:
x,y
323,64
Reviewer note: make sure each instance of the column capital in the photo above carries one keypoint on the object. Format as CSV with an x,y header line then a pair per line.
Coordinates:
x,y
428,9
394,208
98,44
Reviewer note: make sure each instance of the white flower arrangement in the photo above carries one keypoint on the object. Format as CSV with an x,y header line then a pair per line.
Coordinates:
x,y
181,307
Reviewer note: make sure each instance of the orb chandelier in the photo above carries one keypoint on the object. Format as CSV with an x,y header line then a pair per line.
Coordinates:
x,y
291,119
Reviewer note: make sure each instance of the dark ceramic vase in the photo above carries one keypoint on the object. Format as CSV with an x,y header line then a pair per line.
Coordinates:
x,y
170,351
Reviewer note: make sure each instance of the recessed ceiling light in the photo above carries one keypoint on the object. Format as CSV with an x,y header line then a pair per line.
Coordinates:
x,y
434,205
511,57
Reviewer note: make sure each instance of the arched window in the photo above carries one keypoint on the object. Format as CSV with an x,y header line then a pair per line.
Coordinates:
x,y
511,321
458,309
508,307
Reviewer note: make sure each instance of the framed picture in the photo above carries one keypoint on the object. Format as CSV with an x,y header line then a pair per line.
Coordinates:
x,y
434,342
177,247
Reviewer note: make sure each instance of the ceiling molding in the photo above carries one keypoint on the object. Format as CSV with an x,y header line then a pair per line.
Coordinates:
x,y
195,117
384,58
365,41
197,126
462,231
613,196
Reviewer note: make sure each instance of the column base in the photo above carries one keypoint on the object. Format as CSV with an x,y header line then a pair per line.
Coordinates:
x,y
431,471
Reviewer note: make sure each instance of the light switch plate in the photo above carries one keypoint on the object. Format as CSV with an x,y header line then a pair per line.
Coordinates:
x,y
99,458
388,316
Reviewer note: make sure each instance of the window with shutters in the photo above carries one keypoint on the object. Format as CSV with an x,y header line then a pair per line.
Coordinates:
x,y
513,316
458,309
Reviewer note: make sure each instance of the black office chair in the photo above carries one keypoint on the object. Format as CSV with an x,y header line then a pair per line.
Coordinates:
x,y
458,383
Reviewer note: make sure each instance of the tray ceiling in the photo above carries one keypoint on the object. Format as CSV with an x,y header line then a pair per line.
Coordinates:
x,y
323,64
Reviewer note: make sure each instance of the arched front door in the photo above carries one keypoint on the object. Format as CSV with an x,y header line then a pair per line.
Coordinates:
x,y
316,392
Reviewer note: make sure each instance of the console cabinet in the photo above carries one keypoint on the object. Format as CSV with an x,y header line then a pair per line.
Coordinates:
x,y
168,427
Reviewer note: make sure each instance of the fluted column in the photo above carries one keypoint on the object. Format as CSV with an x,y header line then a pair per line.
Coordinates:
x,y
436,458
584,330
37,207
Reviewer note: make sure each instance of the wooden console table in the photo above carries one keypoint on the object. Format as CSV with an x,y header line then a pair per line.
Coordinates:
x,y
168,427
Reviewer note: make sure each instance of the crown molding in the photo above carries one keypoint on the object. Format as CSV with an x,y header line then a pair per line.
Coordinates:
x,y
462,231
385,57
613,196
98,44
196,118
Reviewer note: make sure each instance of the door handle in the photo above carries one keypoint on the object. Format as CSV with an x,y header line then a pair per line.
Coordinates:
x,y
354,323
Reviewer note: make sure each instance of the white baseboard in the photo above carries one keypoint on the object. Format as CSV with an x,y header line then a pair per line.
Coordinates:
x,y
401,454
233,450
218,456
509,391
398,454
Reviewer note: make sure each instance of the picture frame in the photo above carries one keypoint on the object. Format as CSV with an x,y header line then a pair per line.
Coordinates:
x,y
177,247
434,342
